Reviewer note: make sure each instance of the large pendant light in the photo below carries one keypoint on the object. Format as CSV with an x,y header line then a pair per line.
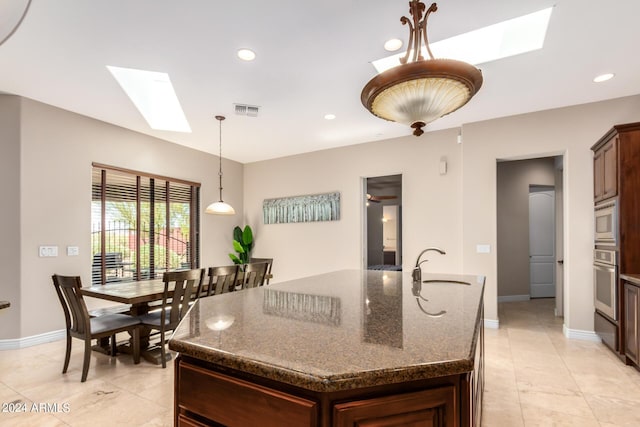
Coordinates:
x,y
12,14
220,207
419,91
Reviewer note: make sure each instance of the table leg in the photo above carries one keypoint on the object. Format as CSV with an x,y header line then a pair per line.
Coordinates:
x,y
150,353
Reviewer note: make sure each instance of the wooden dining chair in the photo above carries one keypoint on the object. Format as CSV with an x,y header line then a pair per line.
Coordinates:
x,y
220,280
254,274
80,325
268,261
175,304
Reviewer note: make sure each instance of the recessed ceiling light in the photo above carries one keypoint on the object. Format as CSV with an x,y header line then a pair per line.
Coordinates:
x,y
392,45
508,38
603,77
329,116
153,95
246,54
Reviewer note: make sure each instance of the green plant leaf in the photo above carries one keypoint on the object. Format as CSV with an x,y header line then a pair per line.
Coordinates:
x,y
237,246
235,259
237,233
247,236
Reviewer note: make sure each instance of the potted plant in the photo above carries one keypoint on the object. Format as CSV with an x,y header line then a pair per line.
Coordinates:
x,y
242,244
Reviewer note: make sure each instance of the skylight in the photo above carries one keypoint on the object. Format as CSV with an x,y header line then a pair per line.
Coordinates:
x,y
153,95
508,38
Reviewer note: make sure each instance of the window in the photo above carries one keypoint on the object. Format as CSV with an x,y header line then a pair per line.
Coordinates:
x,y
142,225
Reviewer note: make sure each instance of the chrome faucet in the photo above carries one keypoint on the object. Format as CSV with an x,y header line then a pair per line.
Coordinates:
x,y
417,271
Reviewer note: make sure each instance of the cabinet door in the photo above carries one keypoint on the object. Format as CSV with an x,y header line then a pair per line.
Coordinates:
x,y
631,320
598,175
435,407
237,403
610,173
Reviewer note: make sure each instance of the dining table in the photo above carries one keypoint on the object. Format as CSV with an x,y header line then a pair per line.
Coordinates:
x,y
139,294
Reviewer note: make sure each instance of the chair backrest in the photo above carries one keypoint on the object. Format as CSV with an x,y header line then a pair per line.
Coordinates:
x,y
254,273
268,261
221,280
76,315
185,286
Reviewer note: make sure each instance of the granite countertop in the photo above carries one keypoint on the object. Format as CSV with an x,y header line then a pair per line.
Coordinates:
x,y
4,304
633,278
340,330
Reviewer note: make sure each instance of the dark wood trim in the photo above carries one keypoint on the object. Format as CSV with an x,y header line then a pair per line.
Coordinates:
x,y
145,174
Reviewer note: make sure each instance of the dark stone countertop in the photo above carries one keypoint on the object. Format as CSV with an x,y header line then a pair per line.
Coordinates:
x,y
4,304
633,278
341,330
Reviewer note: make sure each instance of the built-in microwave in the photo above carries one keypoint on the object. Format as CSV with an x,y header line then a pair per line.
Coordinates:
x,y
606,223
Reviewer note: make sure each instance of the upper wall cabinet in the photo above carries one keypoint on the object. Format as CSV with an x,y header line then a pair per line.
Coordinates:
x,y
615,155
605,169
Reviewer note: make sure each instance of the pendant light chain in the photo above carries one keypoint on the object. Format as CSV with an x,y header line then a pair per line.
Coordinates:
x,y
220,207
220,119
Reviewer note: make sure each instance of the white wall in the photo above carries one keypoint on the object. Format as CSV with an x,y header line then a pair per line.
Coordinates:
x,y
456,211
432,203
57,149
10,214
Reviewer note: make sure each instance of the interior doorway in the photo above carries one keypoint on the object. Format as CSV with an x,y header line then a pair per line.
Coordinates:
x,y
530,253
383,222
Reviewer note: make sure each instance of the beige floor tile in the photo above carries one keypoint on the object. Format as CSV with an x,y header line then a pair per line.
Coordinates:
x,y
533,417
617,411
501,408
603,384
553,398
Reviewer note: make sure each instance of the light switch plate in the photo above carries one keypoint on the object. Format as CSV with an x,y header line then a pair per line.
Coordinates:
x,y
483,249
48,251
73,251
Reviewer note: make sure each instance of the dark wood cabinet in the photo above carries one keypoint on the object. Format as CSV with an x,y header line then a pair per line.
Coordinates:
x,y
205,396
435,407
616,174
605,170
632,326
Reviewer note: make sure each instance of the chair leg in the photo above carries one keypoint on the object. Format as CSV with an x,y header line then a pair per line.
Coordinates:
x,y
136,345
67,355
162,352
87,359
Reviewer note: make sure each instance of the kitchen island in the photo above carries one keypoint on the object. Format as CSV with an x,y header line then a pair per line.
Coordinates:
x,y
339,349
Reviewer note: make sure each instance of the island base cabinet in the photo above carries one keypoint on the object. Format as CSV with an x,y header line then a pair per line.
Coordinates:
x,y
423,408
204,397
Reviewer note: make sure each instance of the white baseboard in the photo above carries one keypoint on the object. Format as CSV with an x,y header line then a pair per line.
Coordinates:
x,y
512,298
578,334
14,344
491,324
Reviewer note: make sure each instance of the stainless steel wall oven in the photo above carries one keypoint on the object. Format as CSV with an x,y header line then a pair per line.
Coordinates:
x,y
605,282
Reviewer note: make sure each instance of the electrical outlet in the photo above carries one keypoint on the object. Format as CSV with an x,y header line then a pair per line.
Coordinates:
x,y
73,251
48,251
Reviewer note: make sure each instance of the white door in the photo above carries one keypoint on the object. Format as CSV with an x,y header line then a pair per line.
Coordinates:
x,y
542,242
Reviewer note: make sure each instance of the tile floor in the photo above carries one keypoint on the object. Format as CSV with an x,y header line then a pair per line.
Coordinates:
x,y
537,377
534,377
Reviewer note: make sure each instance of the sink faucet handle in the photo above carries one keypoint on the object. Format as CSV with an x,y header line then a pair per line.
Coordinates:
x,y
416,275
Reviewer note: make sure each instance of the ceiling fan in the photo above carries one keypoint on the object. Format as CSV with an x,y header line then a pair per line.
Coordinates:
x,y
378,199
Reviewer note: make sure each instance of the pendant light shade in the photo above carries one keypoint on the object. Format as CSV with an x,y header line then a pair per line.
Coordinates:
x,y
220,207
419,91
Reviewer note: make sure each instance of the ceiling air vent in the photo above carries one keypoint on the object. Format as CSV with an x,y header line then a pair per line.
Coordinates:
x,y
247,110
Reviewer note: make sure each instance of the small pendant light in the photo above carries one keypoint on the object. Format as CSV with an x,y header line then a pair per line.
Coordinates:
x,y
220,207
